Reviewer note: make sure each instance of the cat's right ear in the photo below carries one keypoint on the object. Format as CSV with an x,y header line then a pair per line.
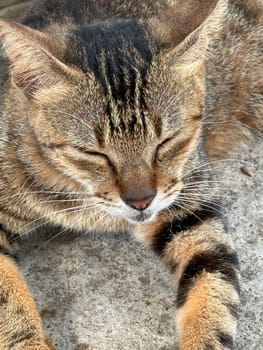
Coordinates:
x,y
33,56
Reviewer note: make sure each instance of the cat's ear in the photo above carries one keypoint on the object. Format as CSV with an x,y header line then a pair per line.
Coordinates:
x,y
33,56
189,74
179,20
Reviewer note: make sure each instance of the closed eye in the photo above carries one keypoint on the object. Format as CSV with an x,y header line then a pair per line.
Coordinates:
x,y
90,152
165,142
162,145
93,154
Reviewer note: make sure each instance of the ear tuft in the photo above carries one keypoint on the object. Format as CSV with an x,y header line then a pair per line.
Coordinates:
x,y
194,69
32,64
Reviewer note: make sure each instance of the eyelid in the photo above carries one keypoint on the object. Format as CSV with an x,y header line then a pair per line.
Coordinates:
x,y
90,152
165,141
94,153
161,145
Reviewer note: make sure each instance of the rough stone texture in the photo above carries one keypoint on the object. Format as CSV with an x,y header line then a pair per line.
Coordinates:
x,y
6,3
13,8
102,292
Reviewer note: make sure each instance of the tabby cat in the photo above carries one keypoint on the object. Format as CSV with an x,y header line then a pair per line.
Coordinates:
x,y
114,110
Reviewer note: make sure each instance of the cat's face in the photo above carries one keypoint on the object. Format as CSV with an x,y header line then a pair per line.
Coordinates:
x,y
129,160
127,154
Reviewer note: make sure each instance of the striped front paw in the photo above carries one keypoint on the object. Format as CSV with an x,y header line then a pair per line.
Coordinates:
x,y
205,267
208,300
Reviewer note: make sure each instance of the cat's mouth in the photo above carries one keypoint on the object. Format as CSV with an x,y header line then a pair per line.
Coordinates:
x,y
142,217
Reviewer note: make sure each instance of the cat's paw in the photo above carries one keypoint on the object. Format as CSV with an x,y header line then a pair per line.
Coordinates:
x,y
34,347
46,345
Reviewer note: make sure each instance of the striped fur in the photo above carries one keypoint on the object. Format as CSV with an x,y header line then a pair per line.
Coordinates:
x,y
206,270
111,112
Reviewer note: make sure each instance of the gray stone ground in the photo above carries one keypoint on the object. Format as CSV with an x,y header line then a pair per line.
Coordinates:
x,y
109,292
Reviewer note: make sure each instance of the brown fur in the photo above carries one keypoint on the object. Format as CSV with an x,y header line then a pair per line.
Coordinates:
x,y
111,105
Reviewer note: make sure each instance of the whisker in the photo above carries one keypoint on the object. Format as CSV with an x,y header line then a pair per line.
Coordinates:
x,y
66,229
203,203
45,192
202,195
188,210
67,210
212,163
198,188
54,201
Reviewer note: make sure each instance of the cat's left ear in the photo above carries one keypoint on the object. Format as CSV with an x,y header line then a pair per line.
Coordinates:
x,y
179,20
33,56
185,66
180,33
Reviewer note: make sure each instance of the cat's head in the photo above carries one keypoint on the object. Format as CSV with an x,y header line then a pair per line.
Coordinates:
x,y
111,110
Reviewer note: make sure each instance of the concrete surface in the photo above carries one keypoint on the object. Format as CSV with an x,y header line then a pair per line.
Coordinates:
x,y
102,292
13,8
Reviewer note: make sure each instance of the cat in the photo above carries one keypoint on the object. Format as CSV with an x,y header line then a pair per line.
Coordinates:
x,y
112,113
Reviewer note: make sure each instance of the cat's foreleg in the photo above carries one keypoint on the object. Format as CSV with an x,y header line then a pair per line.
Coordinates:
x,y
205,267
20,323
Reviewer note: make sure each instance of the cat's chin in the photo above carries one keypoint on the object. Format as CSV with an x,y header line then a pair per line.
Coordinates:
x,y
141,218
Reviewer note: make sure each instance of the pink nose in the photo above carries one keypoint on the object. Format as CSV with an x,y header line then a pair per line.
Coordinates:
x,y
140,204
